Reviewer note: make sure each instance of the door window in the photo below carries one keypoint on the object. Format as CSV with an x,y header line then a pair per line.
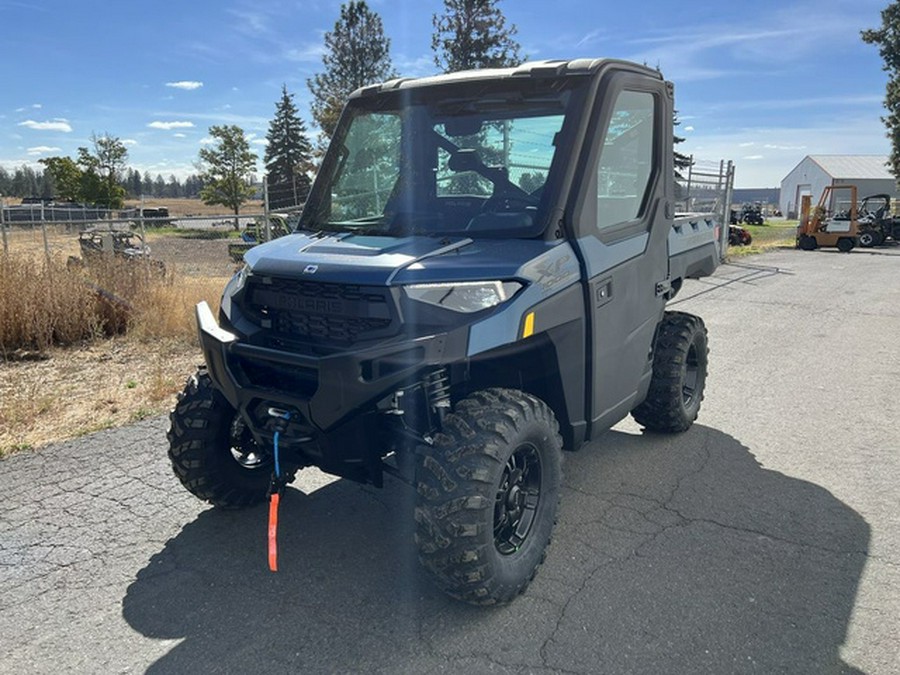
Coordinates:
x,y
626,160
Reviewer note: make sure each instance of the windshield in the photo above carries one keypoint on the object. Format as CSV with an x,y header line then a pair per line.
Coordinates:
x,y
419,163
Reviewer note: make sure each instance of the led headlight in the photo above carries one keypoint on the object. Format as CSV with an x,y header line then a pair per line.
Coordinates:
x,y
464,296
234,285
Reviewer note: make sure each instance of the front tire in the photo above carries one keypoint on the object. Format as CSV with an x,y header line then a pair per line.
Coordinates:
x,y
212,451
487,495
680,360
807,242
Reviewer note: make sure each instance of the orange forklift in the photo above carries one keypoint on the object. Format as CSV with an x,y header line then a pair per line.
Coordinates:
x,y
825,225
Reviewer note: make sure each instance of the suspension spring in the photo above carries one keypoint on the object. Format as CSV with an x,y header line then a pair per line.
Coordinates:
x,y
437,391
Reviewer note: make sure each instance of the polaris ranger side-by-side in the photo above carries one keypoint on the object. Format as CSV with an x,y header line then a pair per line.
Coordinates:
x,y
477,282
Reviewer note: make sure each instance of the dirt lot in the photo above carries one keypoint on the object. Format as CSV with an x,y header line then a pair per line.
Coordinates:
x,y
193,257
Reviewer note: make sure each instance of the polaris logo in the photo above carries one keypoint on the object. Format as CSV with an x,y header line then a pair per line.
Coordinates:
x,y
310,269
301,303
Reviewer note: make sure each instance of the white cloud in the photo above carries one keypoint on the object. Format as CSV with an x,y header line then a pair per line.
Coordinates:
x,y
415,67
36,106
222,117
259,141
689,128
43,150
784,146
186,85
310,52
207,141
128,141
52,125
754,157
180,135
168,126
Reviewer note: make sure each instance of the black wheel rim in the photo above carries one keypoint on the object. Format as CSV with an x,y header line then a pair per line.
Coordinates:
x,y
244,449
518,497
691,376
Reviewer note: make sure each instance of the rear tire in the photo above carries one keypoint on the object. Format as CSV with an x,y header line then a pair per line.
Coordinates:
x,y
867,239
488,492
680,359
212,451
845,245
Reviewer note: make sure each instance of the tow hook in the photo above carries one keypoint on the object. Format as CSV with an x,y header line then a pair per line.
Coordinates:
x,y
278,483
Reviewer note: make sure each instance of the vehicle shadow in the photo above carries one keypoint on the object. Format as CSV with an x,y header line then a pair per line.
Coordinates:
x,y
672,554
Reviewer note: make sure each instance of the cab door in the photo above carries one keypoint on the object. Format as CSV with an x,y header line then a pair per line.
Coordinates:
x,y
622,218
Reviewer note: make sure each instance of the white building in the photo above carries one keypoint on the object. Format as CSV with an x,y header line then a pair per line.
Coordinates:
x,y
869,173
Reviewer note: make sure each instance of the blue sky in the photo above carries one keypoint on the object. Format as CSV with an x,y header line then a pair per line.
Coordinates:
x,y
762,83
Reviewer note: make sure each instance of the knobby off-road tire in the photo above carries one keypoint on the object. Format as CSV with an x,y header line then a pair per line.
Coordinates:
x,y
679,375
212,452
487,495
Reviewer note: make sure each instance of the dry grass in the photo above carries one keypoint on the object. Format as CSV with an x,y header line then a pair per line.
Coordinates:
x,y
88,387
85,349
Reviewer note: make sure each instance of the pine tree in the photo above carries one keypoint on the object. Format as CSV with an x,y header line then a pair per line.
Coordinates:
x,y
888,40
226,164
473,34
134,184
5,181
147,184
357,53
681,160
288,155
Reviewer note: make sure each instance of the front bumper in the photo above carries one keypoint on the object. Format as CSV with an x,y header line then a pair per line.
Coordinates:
x,y
323,391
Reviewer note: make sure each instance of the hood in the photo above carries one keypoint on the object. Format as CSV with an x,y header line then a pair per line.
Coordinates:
x,y
385,261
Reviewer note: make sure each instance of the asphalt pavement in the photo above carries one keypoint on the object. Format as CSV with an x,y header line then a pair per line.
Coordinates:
x,y
766,539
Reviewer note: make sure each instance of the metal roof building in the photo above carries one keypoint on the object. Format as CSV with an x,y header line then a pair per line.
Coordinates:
x,y
869,173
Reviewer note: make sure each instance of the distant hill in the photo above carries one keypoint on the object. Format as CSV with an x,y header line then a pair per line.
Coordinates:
x,y
753,195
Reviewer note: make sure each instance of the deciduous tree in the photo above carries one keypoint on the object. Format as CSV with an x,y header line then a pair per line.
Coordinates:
x,y
225,166
473,34
66,177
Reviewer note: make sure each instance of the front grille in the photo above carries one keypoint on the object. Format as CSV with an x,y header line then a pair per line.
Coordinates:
x,y
321,312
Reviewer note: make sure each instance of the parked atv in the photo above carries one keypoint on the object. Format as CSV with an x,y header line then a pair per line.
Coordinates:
x,y
98,244
751,214
739,236
876,224
280,224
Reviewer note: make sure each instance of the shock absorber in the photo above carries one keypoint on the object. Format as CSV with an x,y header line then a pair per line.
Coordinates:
x,y
437,391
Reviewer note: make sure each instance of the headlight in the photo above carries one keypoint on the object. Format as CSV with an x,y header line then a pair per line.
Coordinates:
x,y
464,296
235,284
